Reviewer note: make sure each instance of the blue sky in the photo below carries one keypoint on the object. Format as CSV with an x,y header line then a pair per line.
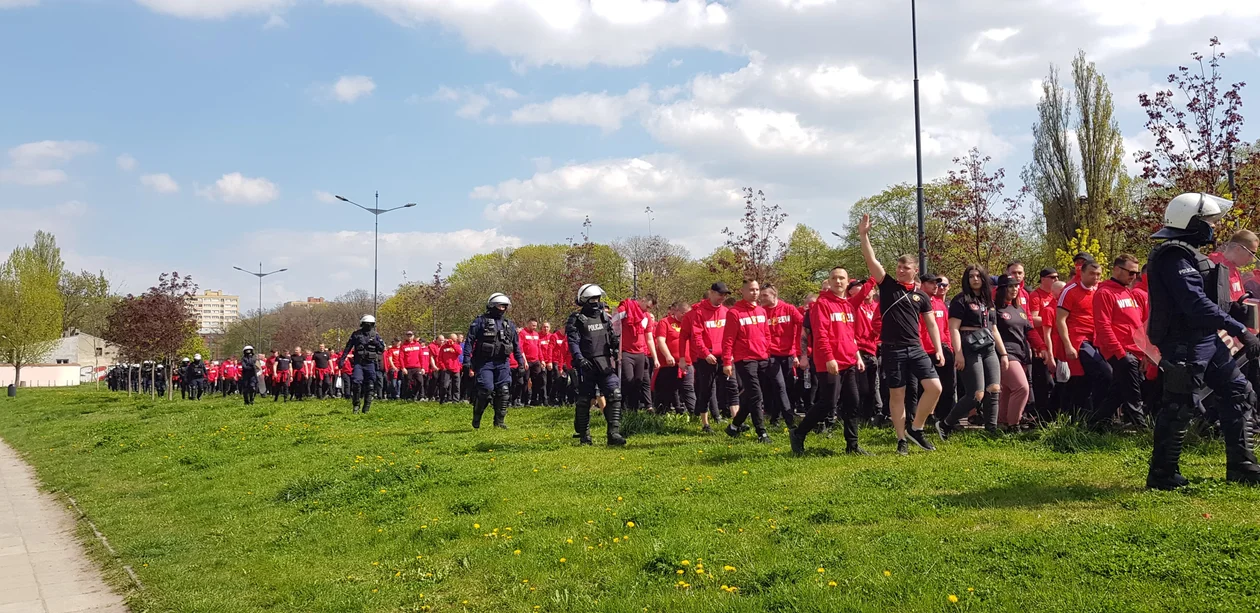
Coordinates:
x,y
195,135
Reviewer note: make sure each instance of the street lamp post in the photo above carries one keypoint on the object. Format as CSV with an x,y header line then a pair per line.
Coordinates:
x,y
918,141
376,241
260,274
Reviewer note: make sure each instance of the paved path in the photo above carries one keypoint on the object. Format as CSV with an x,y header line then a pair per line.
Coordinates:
x,y
42,566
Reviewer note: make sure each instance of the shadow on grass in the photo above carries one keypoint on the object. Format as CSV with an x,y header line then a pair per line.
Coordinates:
x,y
1031,494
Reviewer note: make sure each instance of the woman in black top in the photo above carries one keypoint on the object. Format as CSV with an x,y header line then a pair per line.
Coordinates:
x,y
1013,326
973,328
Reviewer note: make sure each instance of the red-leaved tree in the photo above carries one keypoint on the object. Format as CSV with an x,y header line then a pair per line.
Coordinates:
x,y
1196,124
979,224
153,325
757,246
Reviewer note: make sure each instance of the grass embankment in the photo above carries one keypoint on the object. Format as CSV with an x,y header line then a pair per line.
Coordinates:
x,y
303,507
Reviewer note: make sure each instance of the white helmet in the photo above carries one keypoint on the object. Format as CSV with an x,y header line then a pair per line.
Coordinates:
x,y
367,319
248,348
588,291
497,299
1184,208
196,356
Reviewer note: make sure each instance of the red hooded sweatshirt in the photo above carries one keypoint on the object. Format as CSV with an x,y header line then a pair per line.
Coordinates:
x,y
560,349
832,322
415,355
785,322
707,322
1117,315
546,348
636,326
746,335
529,345
867,329
449,360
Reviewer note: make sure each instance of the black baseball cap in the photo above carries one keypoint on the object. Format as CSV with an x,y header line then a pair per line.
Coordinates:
x,y
1083,256
855,282
1048,272
720,288
410,333
928,277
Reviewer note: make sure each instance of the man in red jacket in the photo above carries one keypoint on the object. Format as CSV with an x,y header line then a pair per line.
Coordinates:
x,y
866,331
563,360
779,380
675,381
531,346
833,337
1041,378
937,286
547,352
448,363
394,373
1117,317
415,363
1239,250
637,351
1074,323
707,321
746,354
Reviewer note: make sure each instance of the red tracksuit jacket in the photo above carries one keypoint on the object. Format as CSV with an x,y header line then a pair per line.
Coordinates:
x,y
832,322
746,335
707,322
529,345
1117,315
785,323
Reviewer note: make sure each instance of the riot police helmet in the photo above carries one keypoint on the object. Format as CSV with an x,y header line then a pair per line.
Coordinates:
x,y
1191,217
498,299
589,294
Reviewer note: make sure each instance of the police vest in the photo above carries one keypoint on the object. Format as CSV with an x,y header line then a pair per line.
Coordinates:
x,y
1215,284
595,339
495,340
368,348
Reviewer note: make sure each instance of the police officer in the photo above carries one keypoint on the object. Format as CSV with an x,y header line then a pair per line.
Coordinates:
x,y
368,349
1188,295
593,342
183,378
196,375
249,374
491,339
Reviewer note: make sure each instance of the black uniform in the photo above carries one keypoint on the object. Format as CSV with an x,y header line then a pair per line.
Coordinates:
x,y
593,342
1188,298
491,340
249,376
368,348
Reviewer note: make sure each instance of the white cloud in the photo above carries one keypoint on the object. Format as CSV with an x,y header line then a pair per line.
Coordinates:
x,y
161,183
570,32
350,88
126,162
275,22
20,224
325,197
234,188
34,164
613,193
471,104
601,110
214,9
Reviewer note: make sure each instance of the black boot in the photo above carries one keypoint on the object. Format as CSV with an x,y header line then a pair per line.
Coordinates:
x,y
1170,433
500,408
582,421
1240,460
354,400
479,408
367,397
797,439
851,438
612,414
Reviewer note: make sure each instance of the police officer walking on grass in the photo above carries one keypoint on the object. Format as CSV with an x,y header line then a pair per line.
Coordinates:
x,y
368,349
1189,298
593,342
491,339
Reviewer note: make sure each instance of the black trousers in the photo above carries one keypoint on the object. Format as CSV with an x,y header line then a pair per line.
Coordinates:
x,y
870,401
836,393
713,388
949,384
538,384
415,384
1126,389
776,380
749,373
636,383
676,387
1043,393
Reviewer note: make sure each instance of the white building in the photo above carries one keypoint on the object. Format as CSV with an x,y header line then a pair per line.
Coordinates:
x,y
215,311
78,358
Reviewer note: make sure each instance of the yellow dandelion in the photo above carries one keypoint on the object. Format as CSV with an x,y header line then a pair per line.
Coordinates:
x,y
971,589
517,552
686,562
569,541
619,499
680,571
831,584
728,568
953,598
616,539
888,573
476,526
821,570
629,524
562,560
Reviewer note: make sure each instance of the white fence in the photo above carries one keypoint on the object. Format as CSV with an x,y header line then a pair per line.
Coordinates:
x,y
42,375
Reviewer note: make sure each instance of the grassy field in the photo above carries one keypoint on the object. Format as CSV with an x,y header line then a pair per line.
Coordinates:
x,y
304,507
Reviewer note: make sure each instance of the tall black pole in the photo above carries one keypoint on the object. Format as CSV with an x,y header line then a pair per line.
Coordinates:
x,y
918,142
376,249
259,339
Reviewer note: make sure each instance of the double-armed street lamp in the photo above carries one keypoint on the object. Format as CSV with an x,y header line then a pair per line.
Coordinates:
x,y
376,243
260,274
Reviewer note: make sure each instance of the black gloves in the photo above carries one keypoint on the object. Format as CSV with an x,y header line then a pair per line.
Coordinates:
x,y
1251,344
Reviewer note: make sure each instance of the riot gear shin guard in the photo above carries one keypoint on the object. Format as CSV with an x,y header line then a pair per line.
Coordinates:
x,y
502,395
1240,459
1170,433
582,420
479,407
612,414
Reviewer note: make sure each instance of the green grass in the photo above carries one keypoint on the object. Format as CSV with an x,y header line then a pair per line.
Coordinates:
x,y
304,507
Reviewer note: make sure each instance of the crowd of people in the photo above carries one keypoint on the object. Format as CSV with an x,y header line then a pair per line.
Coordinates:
x,y
1109,346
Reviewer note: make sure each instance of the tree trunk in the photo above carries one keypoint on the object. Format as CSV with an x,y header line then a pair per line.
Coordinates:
x,y
17,374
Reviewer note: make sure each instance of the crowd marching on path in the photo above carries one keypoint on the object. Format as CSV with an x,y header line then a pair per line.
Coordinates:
x,y
1126,347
